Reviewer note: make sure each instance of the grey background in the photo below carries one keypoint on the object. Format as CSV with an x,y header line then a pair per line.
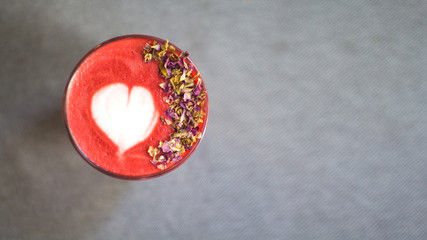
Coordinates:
x,y
317,125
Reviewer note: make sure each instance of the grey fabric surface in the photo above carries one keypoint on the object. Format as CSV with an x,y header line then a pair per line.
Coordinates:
x,y
317,126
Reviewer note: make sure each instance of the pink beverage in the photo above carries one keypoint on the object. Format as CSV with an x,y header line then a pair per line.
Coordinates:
x,y
135,107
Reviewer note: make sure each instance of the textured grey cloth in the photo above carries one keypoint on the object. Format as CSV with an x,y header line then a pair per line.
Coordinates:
x,y
317,125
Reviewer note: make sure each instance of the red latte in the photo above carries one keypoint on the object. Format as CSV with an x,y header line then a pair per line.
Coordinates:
x,y
114,109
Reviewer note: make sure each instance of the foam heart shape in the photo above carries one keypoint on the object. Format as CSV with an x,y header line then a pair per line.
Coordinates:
x,y
126,116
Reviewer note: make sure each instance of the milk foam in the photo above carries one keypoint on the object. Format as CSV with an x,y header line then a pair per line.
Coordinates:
x,y
127,117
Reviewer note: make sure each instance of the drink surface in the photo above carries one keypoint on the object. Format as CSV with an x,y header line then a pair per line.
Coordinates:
x,y
113,104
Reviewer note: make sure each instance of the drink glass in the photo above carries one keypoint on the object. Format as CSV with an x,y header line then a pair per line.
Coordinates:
x,y
93,163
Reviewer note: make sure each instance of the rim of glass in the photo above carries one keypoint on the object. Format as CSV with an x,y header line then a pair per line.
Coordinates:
x,y
121,176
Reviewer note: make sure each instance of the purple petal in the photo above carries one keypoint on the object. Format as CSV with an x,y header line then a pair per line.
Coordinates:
x,y
187,96
181,63
166,56
176,159
197,91
167,89
166,147
170,114
182,116
174,96
171,65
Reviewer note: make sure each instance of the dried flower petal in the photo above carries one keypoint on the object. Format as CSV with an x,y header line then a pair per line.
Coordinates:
x,y
156,47
166,147
148,57
153,151
187,96
163,85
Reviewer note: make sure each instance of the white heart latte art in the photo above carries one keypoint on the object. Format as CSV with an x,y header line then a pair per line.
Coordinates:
x,y
127,117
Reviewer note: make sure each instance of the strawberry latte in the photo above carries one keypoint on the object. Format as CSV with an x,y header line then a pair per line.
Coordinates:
x,y
135,107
